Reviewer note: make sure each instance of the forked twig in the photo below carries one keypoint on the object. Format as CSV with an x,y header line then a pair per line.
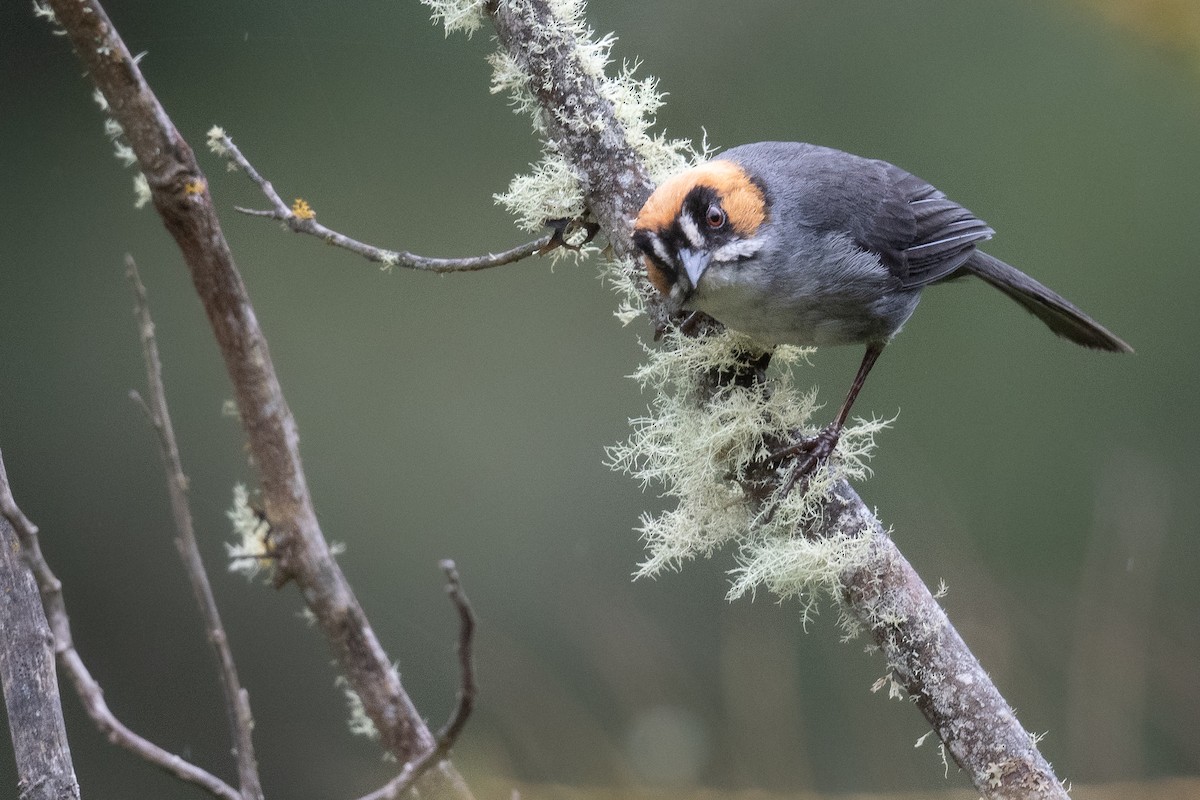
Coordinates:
x,y
300,218
449,733
237,700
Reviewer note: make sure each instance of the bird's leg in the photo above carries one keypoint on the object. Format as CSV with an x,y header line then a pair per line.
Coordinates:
x,y
813,450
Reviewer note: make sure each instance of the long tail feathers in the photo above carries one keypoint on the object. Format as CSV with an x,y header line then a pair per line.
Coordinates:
x,y
1059,314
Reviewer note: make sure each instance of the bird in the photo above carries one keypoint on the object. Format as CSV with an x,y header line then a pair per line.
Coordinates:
x,y
799,244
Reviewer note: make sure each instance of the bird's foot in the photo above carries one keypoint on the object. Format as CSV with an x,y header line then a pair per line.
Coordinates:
x,y
803,457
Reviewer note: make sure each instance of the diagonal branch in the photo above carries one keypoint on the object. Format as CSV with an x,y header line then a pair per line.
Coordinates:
x,y
300,218
237,700
72,663
180,193
450,732
882,591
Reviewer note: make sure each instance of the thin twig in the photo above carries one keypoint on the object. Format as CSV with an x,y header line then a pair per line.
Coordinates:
x,y
237,700
305,222
72,663
449,733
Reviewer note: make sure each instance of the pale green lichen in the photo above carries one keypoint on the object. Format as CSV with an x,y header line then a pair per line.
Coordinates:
x,y
551,189
694,446
359,723
463,16
218,141
894,687
251,553
44,11
124,153
116,134
141,190
390,258
229,409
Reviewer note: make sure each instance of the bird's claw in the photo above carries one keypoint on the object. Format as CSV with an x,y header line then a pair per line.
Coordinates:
x,y
816,448
806,454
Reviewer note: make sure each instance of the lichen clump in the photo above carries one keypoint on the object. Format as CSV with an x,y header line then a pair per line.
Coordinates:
x,y
551,190
694,444
697,446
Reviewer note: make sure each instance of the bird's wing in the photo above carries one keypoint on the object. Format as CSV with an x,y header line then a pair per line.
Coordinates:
x,y
920,234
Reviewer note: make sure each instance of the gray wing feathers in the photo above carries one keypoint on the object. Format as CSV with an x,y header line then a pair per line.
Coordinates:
x,y
940,237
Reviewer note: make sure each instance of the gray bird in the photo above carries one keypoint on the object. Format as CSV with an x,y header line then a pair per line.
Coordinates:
x,y
799,244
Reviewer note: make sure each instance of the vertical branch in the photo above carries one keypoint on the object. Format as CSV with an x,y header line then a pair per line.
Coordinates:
x,y
180,193
35,718
237,700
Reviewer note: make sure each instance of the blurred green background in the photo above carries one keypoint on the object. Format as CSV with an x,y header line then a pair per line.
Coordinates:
x,y
465,416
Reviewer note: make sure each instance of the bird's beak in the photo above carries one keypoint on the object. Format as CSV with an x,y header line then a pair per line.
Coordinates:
x,y
694,263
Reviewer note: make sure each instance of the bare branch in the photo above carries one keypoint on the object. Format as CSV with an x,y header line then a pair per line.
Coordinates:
x,y
85,685
450,732
35,718
181,197
978,728
237,700
300,218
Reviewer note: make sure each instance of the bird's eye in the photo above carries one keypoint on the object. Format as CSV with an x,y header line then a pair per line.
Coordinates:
x,y
715,216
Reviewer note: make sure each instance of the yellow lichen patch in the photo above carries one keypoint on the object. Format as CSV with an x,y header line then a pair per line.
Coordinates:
x,y
194,188
302,210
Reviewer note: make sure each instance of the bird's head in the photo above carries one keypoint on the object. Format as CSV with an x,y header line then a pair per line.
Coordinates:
x,y
713,213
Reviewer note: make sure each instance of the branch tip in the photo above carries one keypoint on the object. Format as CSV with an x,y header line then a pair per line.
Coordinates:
x,y
449,733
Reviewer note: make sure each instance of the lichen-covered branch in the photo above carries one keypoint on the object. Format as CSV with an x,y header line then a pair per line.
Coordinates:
x,y
179,190
578,118
934,665
544,42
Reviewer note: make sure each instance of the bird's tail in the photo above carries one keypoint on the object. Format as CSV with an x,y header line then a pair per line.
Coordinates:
x,y
1059,314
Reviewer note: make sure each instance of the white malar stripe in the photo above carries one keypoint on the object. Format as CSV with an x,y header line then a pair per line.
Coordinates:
x,y
737,249
660,249
691,231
